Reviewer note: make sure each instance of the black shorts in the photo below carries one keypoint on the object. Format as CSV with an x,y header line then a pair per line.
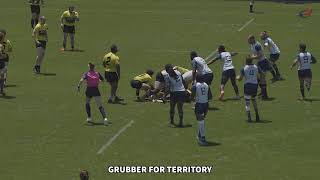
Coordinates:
x,y
274,57
136,84
35,9
178,96
264,65
42,44
2,64
111,76
250,89
228,74
306,73
159,77
92,92
208,78
201,108
69,29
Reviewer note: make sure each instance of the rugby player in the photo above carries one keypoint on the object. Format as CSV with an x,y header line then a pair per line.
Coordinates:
x,y
35,11
111,63
84,175
274,54
228,71
175,85
186,74
40,36
304,59
200,92
7,49
142,81
93,79
263,64
200,67
3,71
250,75
68,22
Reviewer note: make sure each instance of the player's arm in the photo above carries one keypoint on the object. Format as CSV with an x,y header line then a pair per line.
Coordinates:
x,y
194,71
118,70
313,60
234,53
240,77
80,83
214,60
294,63
62,20
77,16
9,45
101,77
35,35
259,54
193,91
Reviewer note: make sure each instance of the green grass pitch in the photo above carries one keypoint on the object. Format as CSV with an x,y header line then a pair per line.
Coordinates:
x,y
43,135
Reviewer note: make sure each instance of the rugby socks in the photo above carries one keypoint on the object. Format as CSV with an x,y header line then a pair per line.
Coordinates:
x,y
64,44
181,118
171,116
275,67
264,90
255,106
235,87
103,113
88,110
248,109
201,129
302,90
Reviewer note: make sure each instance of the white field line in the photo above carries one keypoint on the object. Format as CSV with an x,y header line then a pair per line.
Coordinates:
x,y
110,141
211,54
246,24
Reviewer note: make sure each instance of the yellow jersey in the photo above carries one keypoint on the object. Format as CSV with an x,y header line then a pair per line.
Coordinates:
x,y
144,78
110,62
41,32
7,46
181,69
69,19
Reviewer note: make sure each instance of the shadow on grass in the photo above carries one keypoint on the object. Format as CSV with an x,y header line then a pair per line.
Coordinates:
x,y
48,74
213,109
268,99
7,97
232,99
75,50
309,99
260,122
210,144
10,85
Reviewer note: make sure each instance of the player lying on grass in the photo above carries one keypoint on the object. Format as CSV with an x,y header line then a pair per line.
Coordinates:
x,y
263,64
68,26
304,59
35,11
111,63
40,36
274,54
250,75
200,67
175,85
159,86
3,71
200,93
143,82
228,71
7,49
93,79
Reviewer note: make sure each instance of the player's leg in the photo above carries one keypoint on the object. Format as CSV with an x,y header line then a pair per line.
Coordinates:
x,y
146,88
308,80
224,80
263,85
180,111
234,83
247,106
99,103
208,78
172,109
2,78
301,82
39,58
255,106
65,36
72,35
88,109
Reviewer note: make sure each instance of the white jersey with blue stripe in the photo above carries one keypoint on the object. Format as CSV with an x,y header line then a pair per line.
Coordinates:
x,y
304,60
250,74
257,48
200,65
175,84
201,92
226,60
273,48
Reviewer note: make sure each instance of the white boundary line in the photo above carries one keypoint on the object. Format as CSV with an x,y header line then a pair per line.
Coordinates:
x,y
246,24
110,141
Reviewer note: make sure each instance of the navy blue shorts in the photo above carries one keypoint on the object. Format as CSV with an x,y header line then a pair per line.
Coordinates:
x,y
42,44
92,92
69,29
274,57
2,64
136,84
264,65
208,78
228,74
306,73
111,76
250,89
178,96
201,108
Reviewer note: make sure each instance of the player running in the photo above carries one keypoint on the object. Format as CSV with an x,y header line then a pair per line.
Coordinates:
x,y
274,55
304,59
175,85
3,71
228,71
142,81
93,79
40,36
263,64
7,49
200,92
111,63
200,67
35,11
68,22
250,75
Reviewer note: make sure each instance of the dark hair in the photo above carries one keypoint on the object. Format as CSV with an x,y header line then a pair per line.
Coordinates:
x,y
91,65
251,37
221,48
150,72
303,47
114,48
84,175
3,31
167,67
248,60
193,54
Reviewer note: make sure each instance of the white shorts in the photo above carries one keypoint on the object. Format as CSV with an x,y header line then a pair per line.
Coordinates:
x,y
158,85
187,77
